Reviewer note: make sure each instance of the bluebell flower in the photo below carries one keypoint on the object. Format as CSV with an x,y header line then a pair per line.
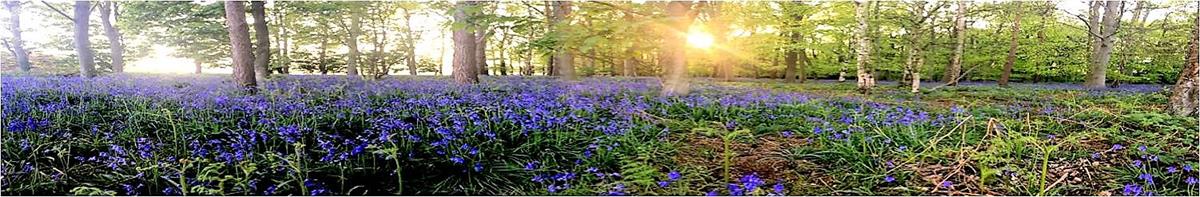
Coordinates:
x,y
531,165
673,175
889,179
1132,190
1171,169
1147,177
712,193
1191,180
1187,168
947,184
778,188
663,184
1142,148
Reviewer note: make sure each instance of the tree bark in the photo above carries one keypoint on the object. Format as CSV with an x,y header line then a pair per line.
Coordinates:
x,y
804,63
239,41
481,36
262,49
1012,47
116,49
951,75
464,47
83,47
789,60
720,30
18,43
564,61
199,66
410,51
1185,96
1103,51
865,76
674,56
352,43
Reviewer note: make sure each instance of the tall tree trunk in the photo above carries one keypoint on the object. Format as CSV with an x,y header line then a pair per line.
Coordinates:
x,y
1185,96
863,58
83,47
674,57
1103,53
1012,47
410,57
321,63
629,67
789,60
720,30
804,63
116,49
239,41
951,75
352,43
464,47
262,49
481,49
18,43
564,61
199,66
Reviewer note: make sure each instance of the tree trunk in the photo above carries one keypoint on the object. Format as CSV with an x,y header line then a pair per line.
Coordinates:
x,y
674,56
352,43
564,62
83,47
262,49
1012,47
116,49
629,67
1185,96
410,57
18,43
321,66
863,58
804,63
789,61
464,47
481,49
951,75
720,30
239,41
1103,52
199,66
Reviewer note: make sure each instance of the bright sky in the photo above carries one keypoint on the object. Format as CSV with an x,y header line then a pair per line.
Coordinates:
x,y
435,42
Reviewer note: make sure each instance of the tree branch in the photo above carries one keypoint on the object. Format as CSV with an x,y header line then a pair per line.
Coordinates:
x,y
64,14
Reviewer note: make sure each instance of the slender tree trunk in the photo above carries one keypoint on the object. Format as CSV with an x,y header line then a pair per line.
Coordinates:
x,y
674,57
1103,53
1185,96
629,67
863,58
789,60
804,63
199,66
464,47
352,43
18,43
321,63
951,76
83,47
481,49
239,41
262,50
564,61
410,51
1012,47
722,58
116,49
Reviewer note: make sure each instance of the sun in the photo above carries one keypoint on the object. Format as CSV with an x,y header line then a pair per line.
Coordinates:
x,y
700,39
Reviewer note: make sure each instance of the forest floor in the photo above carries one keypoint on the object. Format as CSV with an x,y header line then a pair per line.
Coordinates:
x,y
328,135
